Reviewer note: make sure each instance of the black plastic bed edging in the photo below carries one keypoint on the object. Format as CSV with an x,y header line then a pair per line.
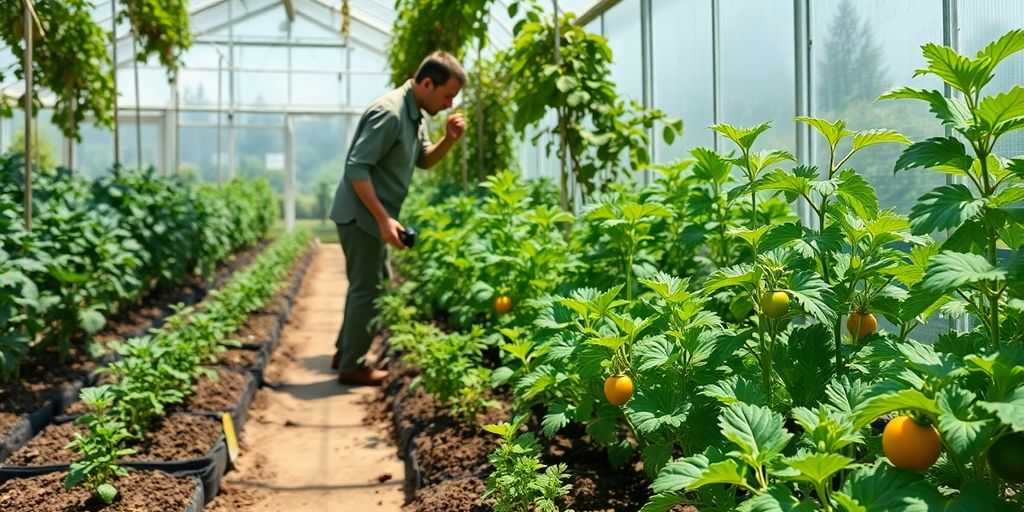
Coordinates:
x,y
413,472
198,498
208,469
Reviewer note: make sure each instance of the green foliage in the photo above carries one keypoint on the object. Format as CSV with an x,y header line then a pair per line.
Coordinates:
x,y
520,482
101,447
422,26
98,246
157,371
162,27
602,133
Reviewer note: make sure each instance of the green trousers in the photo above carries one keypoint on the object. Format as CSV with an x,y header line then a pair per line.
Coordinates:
x,y
366,264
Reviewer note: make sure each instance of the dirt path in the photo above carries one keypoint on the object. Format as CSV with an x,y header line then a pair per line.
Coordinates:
x,y
305,447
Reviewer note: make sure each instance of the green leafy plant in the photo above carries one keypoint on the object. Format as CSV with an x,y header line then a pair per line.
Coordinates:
x,y
981,218
598,132
101,448
519,482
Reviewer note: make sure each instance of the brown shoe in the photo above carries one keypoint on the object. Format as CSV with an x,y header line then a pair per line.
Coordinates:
x,y
363,377
336,360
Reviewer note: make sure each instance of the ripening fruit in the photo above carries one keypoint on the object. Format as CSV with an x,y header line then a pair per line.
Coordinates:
x,y
1006,457
775,304
909,445
861,324
618,388
503,304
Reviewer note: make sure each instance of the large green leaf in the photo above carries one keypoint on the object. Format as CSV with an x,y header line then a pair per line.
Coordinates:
x,y
965,74
855,193
934,152
743,137
1002,107
951,111
950,270
833,132
795,185
961,430
1009,411
662,502
904,399
867,138
693,472
1005,368
756,430
926,360
816,468
945,207
805,363
1008,44
814,295
652,352
883,488
779,498
735,275
736,389
710,165
657,407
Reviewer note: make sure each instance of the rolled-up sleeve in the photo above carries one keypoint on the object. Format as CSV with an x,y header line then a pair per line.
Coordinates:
x,y
424,136
378,133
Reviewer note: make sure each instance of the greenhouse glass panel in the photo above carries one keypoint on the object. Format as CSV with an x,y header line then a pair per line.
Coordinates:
x,y
981,21
861,50
758,69
257,153
622,28
94,156
683,68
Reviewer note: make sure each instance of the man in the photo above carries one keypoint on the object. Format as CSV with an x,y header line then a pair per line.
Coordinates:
x,y
390,139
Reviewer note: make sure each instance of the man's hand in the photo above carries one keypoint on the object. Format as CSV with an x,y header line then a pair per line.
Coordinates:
x,y
389,232
455,126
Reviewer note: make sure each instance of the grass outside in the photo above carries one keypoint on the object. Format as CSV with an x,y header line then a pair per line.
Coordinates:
x,y
325,231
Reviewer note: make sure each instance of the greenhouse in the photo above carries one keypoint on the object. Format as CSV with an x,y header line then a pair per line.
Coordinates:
x,y
577,255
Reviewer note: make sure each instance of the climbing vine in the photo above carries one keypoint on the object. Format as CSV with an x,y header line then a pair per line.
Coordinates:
x,y
423,26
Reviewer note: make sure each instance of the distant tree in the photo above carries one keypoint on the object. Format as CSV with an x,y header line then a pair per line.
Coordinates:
x,y
42,151
851,70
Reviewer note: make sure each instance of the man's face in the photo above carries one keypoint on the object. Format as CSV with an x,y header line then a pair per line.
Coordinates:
x,y
440,97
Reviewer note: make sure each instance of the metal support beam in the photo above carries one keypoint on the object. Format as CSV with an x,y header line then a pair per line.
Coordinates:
x,y
595,11
803,51
647,74
117,124
289,174
289,9
29,87
716,69
231,91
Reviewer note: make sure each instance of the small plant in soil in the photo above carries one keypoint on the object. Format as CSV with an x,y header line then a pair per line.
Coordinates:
x,y
101,449
520,482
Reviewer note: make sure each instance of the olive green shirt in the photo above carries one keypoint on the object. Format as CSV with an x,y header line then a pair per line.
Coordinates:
x,y
390,140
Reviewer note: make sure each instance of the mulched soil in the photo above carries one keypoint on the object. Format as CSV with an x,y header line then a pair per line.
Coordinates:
x,y
220,394
460,495
238,358
173,438
257,329
139,491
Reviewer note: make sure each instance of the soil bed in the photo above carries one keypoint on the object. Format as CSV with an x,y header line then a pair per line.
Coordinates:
x,y
173,438
140,490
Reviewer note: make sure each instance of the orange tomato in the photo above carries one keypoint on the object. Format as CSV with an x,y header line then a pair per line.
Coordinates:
x,y
860,325
618,388
909,445
775,304
503,304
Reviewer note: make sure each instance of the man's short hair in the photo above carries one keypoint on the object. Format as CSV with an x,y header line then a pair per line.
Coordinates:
x,y
439,67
